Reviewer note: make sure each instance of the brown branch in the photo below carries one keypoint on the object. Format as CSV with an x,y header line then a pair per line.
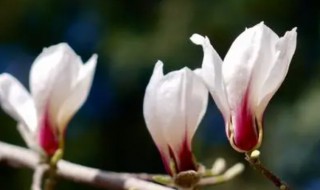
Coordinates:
x,y
22,157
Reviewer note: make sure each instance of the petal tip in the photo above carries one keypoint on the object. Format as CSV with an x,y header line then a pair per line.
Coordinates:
x,y
291,34
159,63
294,30
197,39
93,59
5,76
260,27
94,56
158,66
186,69
157,73
63,46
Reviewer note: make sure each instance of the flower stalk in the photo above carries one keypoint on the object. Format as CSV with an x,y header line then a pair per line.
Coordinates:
x,y
254,159
51,173
50,182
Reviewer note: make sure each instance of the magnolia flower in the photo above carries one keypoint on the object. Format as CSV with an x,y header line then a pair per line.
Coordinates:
x,y
59,85
174,105
243,84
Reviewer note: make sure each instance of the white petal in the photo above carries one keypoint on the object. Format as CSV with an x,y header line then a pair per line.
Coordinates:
x,y
29,137
180,103
157,74
151,118
149,108
52,76
284,49
17,102
250,55
196,102
211,73
78,94
197,39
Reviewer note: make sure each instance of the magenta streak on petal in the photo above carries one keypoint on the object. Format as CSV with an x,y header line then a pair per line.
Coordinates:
x,y
186,160
166,162
48,138
245,129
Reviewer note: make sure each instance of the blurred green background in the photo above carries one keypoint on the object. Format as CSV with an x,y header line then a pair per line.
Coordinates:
x,y
129,36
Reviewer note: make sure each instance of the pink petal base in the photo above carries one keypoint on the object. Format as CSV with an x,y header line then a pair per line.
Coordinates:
x,y
184,162
186,158
48,138
245,129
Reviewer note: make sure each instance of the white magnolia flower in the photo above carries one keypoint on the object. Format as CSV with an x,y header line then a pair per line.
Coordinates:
x,y
243,84
174,105
59,85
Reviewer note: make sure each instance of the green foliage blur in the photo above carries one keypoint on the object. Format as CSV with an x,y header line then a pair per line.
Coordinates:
x,y
130,36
